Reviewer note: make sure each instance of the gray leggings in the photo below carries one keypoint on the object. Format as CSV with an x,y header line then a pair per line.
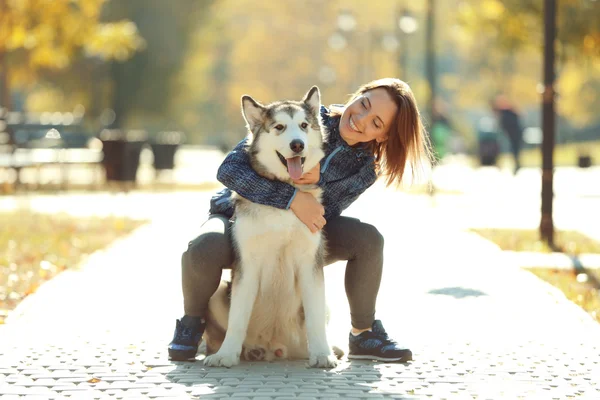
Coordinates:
x,y
348,239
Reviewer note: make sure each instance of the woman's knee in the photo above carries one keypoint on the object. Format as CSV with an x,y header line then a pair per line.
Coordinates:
x,y
208,249
371,240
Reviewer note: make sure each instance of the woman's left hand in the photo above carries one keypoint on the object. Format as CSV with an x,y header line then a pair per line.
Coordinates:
x,y
310,177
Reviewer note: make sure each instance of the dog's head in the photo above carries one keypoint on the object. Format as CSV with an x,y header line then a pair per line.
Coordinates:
x,y
286,136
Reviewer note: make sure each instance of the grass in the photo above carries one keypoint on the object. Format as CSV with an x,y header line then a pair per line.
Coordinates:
x,y
571,242
564,154
580,287
36,247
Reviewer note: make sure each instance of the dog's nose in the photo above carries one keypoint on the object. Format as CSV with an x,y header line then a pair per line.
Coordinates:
x,y
297,145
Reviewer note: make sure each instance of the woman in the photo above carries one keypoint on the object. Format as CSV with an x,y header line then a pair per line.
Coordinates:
x,y
377,133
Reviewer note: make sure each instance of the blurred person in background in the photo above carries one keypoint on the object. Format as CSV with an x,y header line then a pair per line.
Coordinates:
x,y
376,133
509,123
441,130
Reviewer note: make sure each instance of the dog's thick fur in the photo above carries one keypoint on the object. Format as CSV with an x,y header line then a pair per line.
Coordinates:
x,y
277,308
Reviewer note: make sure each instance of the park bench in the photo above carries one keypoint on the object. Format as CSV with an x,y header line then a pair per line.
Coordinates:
x,y
29,144
64,158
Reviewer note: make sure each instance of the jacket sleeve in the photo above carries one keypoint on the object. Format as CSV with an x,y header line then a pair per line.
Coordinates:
x,y
343,192
237,174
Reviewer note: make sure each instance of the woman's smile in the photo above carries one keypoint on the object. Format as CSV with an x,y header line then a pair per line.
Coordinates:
x,y
353,125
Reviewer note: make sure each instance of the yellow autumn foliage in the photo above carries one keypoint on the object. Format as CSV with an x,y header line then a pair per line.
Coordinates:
x,y
51,32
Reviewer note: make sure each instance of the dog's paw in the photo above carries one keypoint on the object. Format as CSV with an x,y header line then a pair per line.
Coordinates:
x,y
254,354
222,360
322,361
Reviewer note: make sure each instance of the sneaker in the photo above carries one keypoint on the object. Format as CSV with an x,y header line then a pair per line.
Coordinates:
x,y
376,345
187,338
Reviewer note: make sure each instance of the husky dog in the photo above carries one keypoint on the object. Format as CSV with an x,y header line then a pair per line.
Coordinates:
x,y
275,307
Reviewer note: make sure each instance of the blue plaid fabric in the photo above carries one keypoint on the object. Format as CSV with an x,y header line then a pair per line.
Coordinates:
x,y
346,172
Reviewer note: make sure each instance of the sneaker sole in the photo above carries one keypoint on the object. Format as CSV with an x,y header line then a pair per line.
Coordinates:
x,y
367,357
179,355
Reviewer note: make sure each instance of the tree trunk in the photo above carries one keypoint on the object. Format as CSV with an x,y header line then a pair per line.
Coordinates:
x,y
548,123
430,54
5,99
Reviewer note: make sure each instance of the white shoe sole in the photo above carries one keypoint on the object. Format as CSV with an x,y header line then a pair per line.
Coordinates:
x,y
367,357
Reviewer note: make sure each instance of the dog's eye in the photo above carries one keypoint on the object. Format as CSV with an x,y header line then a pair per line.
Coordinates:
x,y
279,127
304,125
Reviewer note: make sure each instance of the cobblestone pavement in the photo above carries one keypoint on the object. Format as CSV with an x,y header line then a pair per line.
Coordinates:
x,y
479,327
93,370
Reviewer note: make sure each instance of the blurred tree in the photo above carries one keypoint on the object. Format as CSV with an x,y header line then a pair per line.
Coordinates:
x,y
270,50
199,100
38,34
517,24
275,50
504,42
142,87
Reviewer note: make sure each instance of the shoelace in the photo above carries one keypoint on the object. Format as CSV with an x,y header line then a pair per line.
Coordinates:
x,y
383,336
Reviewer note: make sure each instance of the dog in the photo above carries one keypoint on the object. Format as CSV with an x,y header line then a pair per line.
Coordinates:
x,y
274,308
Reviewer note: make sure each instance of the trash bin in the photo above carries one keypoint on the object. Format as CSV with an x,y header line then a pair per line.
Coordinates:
x,y
122,153
488,141
164,146
584,161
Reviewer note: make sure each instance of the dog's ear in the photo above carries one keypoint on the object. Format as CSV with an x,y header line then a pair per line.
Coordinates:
x,y
252,111
313,98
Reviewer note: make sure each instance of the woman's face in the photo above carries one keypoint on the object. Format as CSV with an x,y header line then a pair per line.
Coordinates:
x,y
368,117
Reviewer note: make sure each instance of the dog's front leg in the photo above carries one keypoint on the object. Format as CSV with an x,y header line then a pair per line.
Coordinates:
x,y
312,284
243,295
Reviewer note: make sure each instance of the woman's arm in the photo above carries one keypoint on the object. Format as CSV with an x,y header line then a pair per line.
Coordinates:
x,y
237,174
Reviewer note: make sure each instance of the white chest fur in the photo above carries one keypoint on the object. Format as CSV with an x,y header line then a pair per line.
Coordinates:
x,y
263,227
275,248
272,229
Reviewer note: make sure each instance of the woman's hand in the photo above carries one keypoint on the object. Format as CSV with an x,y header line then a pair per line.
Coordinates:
x,y
310,177
309,211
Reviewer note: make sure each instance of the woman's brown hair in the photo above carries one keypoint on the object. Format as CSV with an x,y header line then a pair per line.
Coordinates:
x,y
407,141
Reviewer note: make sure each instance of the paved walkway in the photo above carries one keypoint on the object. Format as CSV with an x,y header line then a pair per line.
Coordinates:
x,y
479,326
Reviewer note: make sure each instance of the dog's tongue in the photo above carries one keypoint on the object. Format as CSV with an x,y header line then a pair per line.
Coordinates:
x,y
294,167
